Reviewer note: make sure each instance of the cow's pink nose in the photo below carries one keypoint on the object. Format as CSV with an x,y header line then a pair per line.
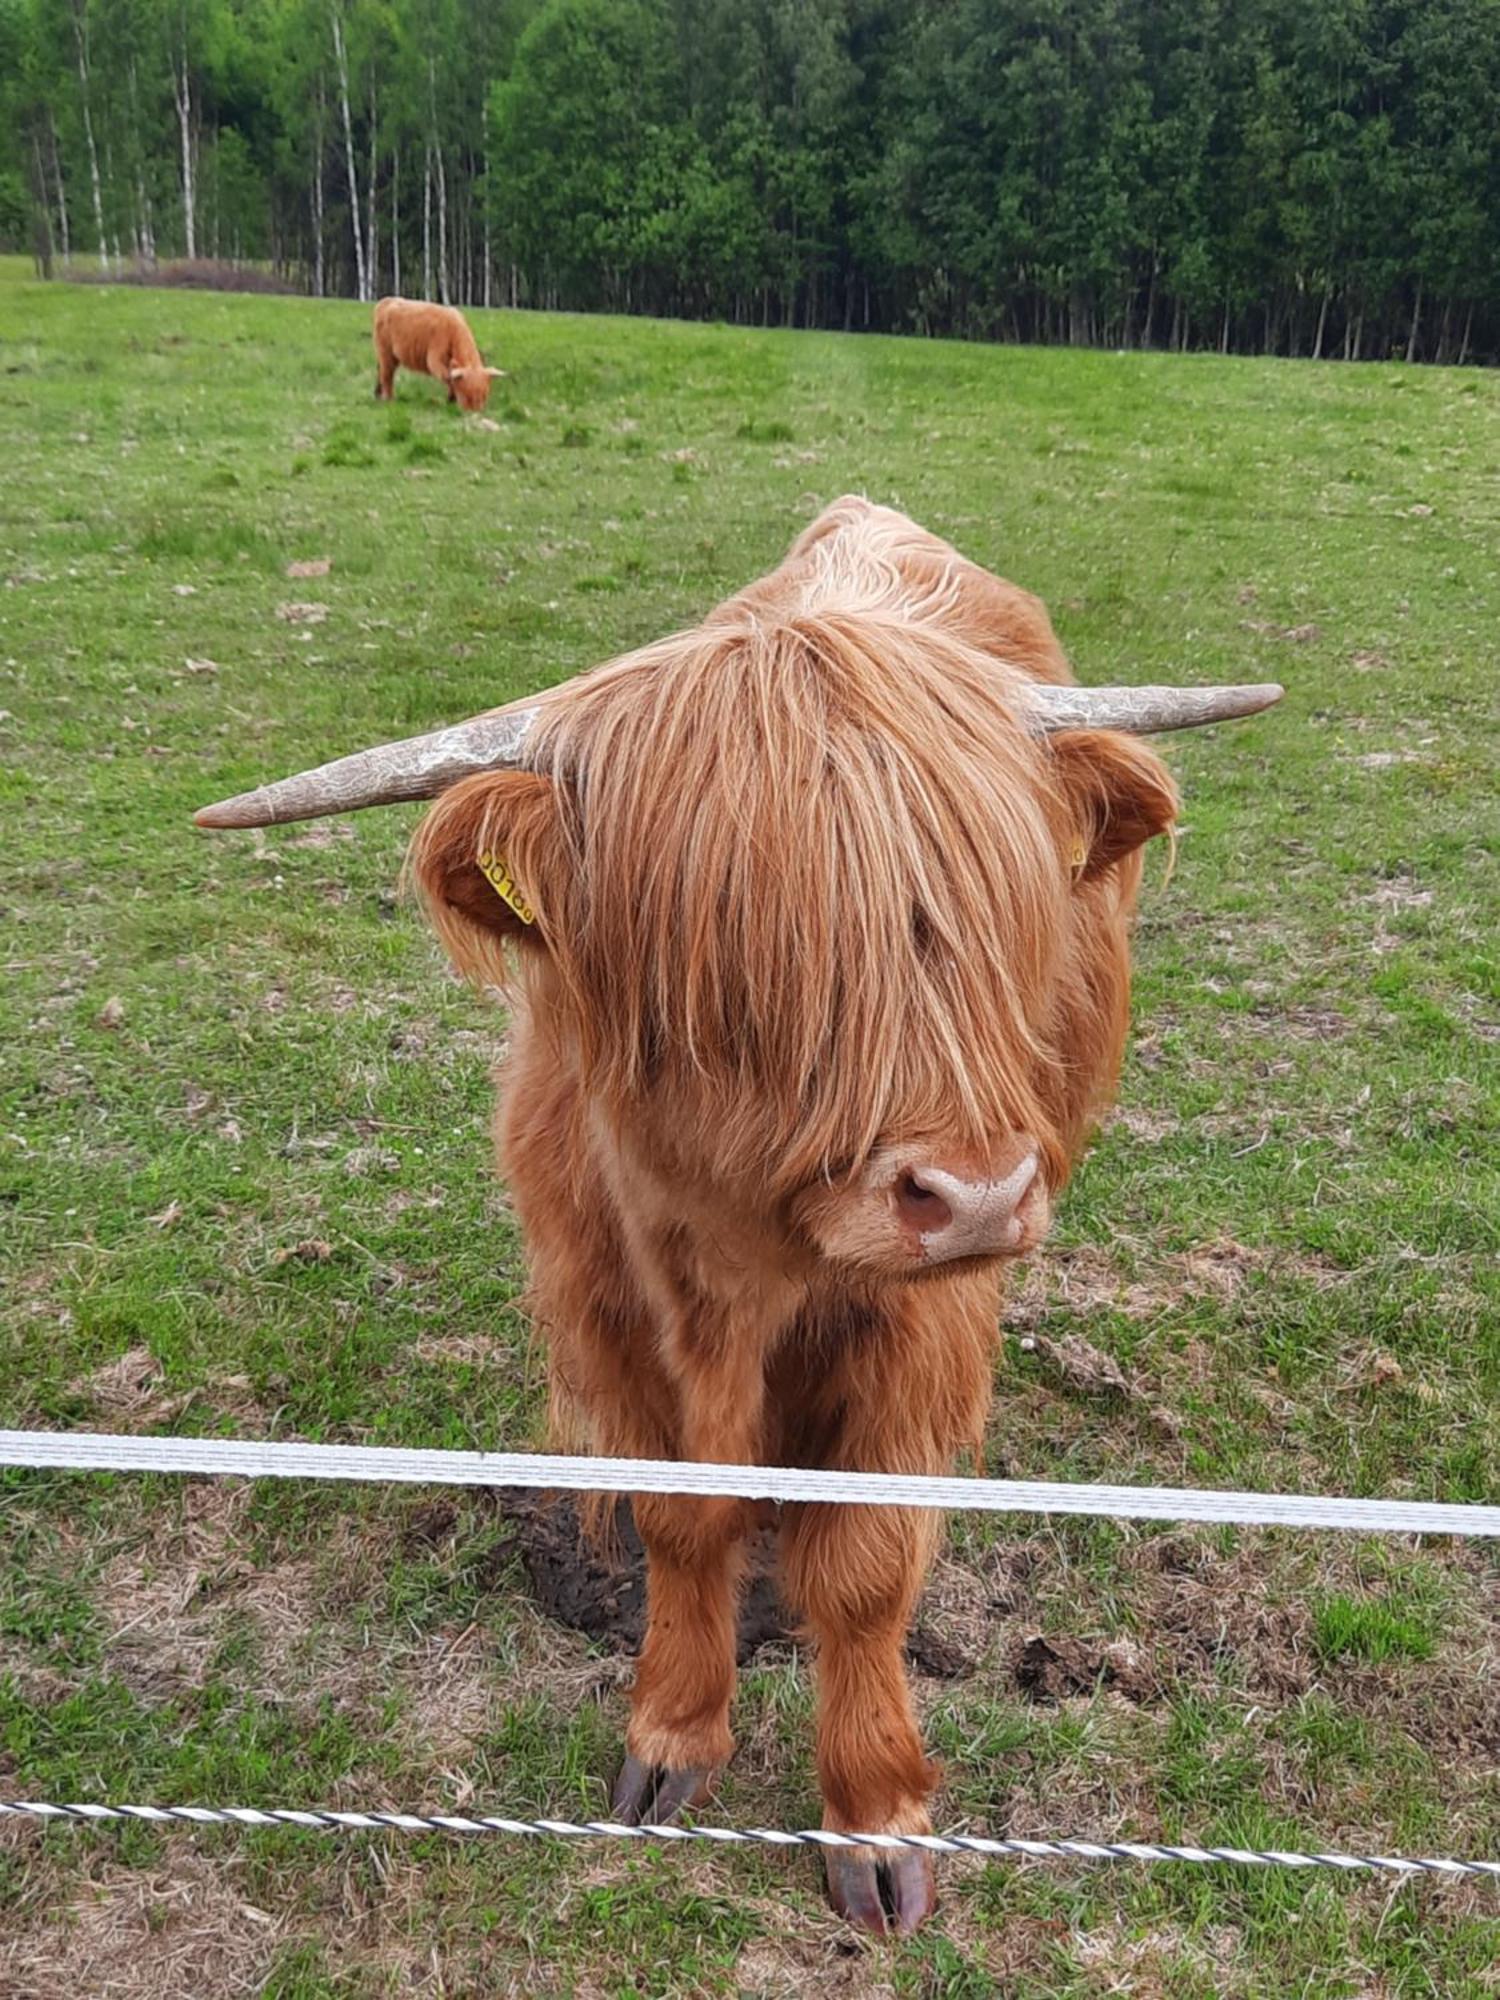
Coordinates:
x,y
954,1215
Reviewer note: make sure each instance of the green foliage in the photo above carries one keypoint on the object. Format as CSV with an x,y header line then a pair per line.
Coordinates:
x,y
1272,176
1347,1628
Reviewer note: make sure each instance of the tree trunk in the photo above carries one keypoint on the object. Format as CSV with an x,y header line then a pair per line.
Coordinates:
x,y
1317,353
1445,337
182,93
427,223
1359,335
63,233
1416,318
341,58
1463,346
372,253
81,38
396,219
435,157
444,291
318,150
41,207
146,222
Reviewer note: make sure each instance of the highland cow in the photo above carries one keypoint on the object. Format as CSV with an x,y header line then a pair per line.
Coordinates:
x,y
430,340
813,922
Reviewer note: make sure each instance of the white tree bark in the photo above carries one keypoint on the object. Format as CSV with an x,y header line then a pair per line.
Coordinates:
x,y
442,194
427,225
372,257
62,194
80,35
182,95
145,220
319,144
341,58
486,199
44,207
435,154
396,219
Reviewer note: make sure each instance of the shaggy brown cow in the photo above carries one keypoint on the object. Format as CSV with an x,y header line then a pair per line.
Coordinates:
x,y
432,340
813,923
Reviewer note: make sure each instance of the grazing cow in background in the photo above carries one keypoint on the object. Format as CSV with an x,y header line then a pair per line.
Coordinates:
x,y
430,340
814,925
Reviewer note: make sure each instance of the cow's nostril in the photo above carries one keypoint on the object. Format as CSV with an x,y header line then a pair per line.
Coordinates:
x,y
920,1205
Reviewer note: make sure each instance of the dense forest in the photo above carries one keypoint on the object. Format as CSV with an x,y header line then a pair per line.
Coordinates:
x,y
1314,177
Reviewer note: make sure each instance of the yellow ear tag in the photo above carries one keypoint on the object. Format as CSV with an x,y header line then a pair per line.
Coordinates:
x,y
1079,854
496,872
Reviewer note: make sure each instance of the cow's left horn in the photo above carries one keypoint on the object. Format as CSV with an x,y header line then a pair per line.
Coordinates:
x,y
418,768
1143,711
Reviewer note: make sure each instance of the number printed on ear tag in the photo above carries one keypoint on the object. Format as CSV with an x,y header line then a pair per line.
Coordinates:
x,y
496,872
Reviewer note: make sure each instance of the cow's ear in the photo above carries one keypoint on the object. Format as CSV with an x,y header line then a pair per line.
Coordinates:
x,y
1119,792
487,864
454,373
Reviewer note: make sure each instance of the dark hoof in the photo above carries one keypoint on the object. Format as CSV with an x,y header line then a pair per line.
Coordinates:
x,y
894,1891
653,1794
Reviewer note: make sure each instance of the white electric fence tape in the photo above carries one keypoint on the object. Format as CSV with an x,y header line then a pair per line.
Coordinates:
x,y
90,1451
94,1451
759,1836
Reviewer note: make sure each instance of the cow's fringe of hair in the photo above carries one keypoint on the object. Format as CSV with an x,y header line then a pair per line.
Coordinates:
x,y
778,834
803,870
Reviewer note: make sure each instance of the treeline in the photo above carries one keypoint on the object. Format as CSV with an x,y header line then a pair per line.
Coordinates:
x,y
1314,177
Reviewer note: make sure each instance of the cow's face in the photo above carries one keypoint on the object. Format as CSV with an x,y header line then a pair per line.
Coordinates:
x,y
472,386
860,971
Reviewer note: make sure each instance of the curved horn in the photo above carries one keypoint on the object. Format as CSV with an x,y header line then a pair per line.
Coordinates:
x,y
418,768
1142,711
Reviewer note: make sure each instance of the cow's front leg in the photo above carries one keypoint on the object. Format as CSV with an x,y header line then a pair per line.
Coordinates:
x,y
855,1573
679,1720
678,1736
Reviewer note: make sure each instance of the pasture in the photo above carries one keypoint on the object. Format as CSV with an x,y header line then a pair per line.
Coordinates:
x,y
245,1184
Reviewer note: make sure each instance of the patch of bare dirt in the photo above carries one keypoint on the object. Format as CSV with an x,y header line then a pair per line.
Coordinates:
x,y
599,1591
179,1932
129,1393
1302,1023
456,1689
1295,635
802,1954
1081,1280
1053,1669
162,1600
1149,1126
1148,1964
1399,892
1205,1611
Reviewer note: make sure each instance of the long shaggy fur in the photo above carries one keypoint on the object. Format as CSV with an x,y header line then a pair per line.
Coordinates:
x,y
805,889
430,340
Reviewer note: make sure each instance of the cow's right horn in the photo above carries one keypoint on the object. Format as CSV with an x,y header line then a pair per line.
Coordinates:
x,y
1142,711
419,767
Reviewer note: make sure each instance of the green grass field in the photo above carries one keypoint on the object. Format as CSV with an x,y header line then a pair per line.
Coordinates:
x,y
245,1185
